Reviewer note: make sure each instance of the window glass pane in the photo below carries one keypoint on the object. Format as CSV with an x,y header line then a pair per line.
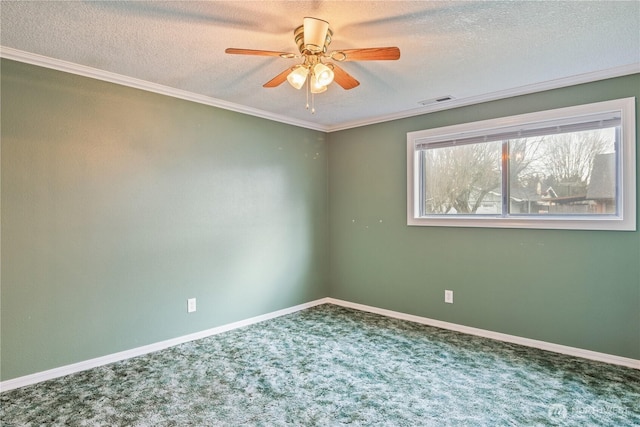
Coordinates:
x,y
462,180
563,174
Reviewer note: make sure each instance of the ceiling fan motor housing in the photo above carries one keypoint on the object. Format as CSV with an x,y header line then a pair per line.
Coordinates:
x,y
315,39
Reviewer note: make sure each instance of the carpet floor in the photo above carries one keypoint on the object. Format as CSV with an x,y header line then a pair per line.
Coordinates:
x,y
332,366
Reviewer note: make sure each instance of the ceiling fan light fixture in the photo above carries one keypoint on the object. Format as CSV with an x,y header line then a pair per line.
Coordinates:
x,y
324,75
298,76
312,39
315,34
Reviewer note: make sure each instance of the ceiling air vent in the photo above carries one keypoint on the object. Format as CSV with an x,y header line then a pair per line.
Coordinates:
x,y
436,100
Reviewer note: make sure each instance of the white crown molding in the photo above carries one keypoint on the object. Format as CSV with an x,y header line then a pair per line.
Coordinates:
x,y
527,342
140,351
73,68
82,70
610,73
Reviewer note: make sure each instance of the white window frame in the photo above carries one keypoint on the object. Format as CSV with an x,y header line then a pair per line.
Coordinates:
x,y
624,220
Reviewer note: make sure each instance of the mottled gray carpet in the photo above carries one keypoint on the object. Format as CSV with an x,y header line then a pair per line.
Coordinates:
x,y
331,366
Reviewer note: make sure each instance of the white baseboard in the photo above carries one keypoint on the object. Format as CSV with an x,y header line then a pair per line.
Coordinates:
x,y
543,345
139,351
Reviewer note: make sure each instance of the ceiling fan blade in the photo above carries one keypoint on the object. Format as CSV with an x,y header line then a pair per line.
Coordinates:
x,y
368,54
278,80
343,78
235,51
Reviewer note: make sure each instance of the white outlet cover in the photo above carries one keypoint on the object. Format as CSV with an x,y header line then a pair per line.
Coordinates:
x,y
448,297
191,305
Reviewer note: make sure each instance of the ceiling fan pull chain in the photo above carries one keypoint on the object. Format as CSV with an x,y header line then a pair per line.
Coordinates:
x,y
308,89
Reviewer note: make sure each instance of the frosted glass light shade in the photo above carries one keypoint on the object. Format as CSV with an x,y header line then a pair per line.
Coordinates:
x,y
316,87
297,77
324,74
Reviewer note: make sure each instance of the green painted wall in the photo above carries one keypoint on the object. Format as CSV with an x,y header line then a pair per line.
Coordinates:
x,y
119,204
576,288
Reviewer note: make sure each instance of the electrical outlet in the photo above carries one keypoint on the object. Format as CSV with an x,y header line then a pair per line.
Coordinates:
x,y
448,297
191,305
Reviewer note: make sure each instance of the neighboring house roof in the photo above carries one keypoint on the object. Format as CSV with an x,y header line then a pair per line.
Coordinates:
x,y
524,195
603,177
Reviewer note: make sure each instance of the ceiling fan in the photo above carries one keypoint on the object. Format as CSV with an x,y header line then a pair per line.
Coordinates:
x,y
313,38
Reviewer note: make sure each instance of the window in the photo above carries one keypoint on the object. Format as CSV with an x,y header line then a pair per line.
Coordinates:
x,y
570,168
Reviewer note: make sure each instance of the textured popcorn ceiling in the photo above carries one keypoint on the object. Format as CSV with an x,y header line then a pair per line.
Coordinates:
x,y
470,50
